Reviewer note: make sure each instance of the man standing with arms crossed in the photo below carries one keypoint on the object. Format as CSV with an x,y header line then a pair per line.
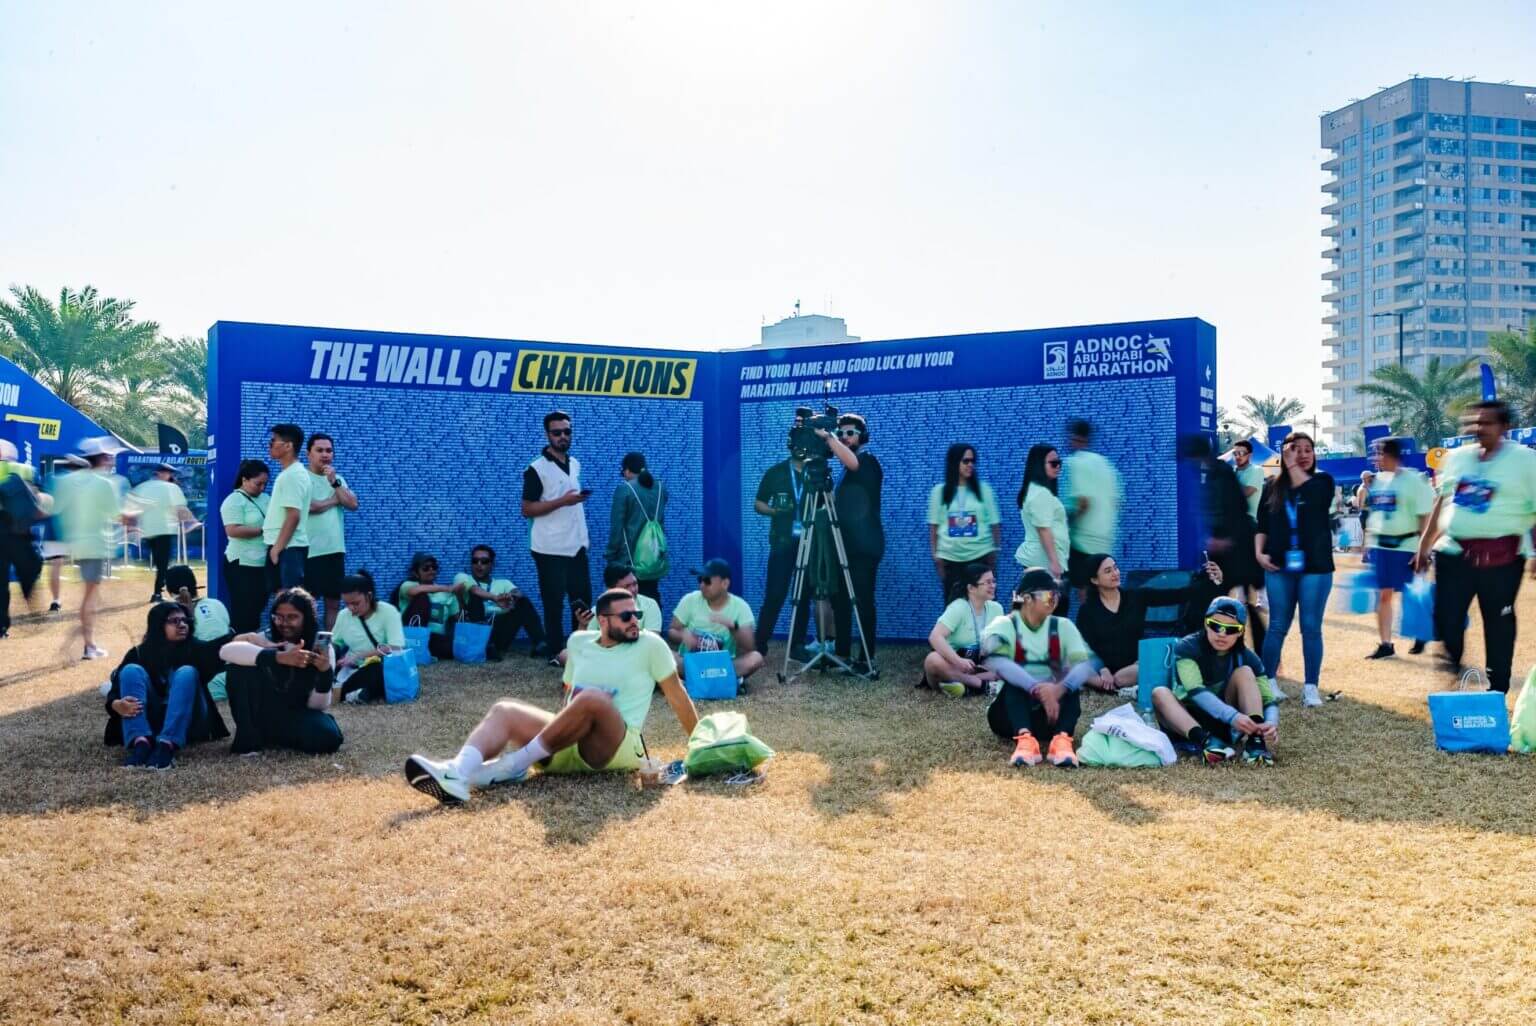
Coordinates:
x,y
325,565
286,529
552,500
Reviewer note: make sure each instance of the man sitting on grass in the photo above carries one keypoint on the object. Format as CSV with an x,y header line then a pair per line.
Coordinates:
x,y
712,619
1213,669
1043,662
612,672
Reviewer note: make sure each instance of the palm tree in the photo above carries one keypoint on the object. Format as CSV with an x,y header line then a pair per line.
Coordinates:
x,y
185,361
1426,406
76,346
1514,361
1261,414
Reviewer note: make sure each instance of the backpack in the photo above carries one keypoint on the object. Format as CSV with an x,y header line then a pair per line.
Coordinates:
x,y
648,557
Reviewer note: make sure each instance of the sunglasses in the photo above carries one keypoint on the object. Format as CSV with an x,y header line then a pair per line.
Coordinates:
x,y
969,459
1053,463
559,431
176,621
849,433
626,615
1222,627
481,559
429,566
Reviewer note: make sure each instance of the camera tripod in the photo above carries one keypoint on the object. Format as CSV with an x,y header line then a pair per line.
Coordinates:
x,y
817,501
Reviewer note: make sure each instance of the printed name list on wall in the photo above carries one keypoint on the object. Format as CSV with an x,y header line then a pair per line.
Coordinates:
x,y
439,429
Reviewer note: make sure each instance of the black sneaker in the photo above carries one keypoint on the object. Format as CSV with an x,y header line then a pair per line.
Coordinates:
x,y
155,598
54,607
1383,651
138,754
164,756
1418,648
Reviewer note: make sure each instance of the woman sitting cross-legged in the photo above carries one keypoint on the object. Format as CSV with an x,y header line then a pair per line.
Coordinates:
x,y
425,603
366,631
280,685
954,666
159,701
1220,695
1043,663
1111,621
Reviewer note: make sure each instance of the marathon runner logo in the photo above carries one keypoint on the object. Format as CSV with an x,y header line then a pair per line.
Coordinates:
x,y
1118,356
644,377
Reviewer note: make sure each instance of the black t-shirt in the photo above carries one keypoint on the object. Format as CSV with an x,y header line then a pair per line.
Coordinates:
x,y
1114,637
1314,527
858,507
533,485
783,488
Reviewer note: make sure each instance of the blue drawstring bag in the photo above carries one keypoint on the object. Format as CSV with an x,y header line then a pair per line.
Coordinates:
x,y
1470,721
1359,594
470,641
1419,610
402,682
1154,668
709,675
417,640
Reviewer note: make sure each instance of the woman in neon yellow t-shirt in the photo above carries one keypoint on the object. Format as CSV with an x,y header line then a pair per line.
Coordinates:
x,y
955,664
1046,542
963,523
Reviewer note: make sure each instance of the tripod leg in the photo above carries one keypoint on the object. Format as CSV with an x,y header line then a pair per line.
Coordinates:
x,y
853,597
797,583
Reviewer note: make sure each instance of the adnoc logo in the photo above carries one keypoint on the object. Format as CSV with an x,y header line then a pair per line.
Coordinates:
x,y
1055,361
1117,356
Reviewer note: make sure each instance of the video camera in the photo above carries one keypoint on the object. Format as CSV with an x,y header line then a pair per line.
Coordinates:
x,y
806,445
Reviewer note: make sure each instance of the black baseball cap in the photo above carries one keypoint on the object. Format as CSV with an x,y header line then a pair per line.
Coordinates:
x,y
714,568
178,577
1036,578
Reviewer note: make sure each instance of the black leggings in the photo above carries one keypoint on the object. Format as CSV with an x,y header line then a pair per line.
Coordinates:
x,y
160,555
369,680
510,622
248,591
1457,583
1015,710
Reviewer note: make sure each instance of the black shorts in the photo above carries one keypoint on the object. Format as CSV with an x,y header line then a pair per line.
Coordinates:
x,y
323,574
1078,571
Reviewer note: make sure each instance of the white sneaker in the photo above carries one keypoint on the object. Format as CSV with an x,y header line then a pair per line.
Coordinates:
x,y
1309,696
92,652
497,771
1280,696
105,687
438,779
358,697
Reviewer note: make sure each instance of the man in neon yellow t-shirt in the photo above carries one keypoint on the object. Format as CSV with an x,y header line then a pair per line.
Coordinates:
x,y
612,673
1397,502
713,619
1479,527
162,509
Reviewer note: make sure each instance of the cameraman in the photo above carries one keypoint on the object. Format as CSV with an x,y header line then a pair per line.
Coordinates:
x,y
779,496
858,509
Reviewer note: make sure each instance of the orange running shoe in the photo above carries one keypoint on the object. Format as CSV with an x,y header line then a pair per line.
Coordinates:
x,y
1026,751
1061,754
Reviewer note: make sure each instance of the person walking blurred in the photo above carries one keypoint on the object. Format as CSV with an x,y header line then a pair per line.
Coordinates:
x,y
1093,492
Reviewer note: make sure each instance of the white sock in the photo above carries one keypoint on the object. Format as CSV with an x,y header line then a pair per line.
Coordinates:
x,y
467,763
520,760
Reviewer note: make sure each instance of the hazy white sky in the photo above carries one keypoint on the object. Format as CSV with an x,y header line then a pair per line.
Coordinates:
x,y
672,173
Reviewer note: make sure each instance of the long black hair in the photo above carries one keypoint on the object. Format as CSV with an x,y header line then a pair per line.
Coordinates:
x,y
952,457
634,462
1034,471
1280,487
301,600
157,654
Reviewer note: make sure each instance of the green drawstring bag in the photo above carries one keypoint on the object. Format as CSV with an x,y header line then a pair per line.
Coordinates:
x,y
1101,749
1522,724
216,689
721,744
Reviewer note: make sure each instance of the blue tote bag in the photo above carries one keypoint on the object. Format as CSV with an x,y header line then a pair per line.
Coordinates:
x,y
1470,721
417,640
709,675
1154,668
1419,610
470,641
402,682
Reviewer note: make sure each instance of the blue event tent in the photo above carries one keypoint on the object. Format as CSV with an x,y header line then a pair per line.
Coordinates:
x,y
36,421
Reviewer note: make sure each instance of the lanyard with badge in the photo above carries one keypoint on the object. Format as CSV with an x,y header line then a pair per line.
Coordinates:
x,y
1295,559
797,486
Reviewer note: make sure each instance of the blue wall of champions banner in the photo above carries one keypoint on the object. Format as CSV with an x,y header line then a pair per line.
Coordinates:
x,y
433,432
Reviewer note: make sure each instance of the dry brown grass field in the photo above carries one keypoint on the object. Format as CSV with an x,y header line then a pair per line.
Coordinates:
x,y
891,868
